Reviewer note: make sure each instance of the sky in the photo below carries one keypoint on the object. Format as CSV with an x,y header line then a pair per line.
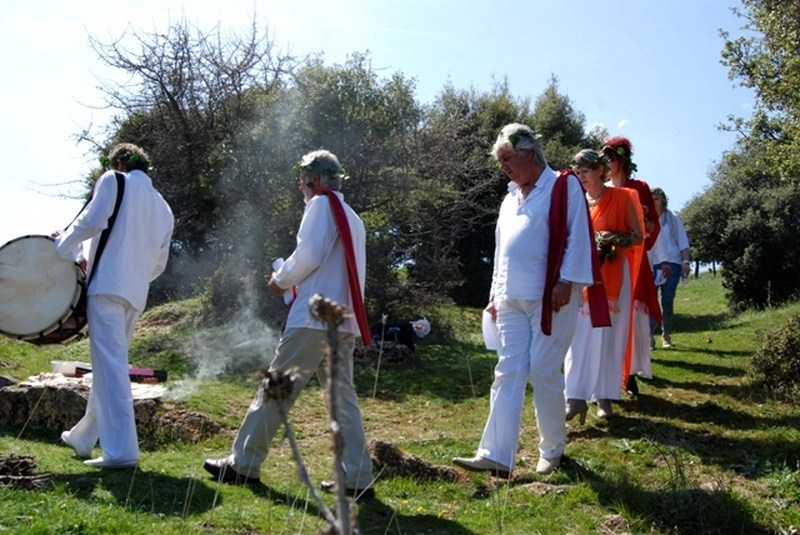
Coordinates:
x,y
646,69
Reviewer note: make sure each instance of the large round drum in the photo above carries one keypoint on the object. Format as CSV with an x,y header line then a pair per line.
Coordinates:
x,y
42,297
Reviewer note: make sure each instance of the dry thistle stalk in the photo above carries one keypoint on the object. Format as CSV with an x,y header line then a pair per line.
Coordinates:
x,y
278,384
333,315
329,312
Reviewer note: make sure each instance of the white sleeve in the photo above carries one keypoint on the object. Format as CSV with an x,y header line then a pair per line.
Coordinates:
x,y
92,220
576,266
314,238
683,238
163,252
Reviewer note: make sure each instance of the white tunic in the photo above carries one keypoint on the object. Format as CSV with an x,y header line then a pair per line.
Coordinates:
x,y
671,240
521,238
318,265
138,246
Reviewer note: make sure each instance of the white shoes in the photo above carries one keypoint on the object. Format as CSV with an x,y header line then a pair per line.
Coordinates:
x,y
480,464
101,462
545,465
80,453
666,341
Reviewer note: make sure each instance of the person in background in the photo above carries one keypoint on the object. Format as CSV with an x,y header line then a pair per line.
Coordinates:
x,y
534,301
318,265
135,253
594,360
670,260
619,152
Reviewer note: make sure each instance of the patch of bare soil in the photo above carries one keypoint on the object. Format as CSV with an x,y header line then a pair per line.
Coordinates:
x,y
185,425
388,460
540,488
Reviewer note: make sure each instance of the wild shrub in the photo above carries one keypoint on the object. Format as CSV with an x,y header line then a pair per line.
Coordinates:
x,y
775,367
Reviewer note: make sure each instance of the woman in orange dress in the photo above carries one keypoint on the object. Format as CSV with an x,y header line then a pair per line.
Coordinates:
x,y
594,361
619,152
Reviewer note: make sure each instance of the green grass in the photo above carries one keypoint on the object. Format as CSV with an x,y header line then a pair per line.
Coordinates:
x,y
698,451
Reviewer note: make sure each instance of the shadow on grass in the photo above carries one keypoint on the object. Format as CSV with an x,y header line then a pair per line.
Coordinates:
x,y
374,516
734,390
455,371
699,323
675,508
149,492
749,456
706,412
675,351
697,367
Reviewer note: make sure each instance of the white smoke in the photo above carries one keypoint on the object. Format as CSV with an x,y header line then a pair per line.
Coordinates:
x,y
242,346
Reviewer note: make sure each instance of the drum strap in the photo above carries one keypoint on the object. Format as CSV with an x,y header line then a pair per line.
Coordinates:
x,y
101,245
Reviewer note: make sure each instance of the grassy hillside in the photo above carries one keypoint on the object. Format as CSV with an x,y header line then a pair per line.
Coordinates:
x,y
696,452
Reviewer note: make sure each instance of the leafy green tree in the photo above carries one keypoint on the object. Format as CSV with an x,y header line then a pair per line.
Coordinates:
x,y
700,217
369,122
767,60
458,191
748,218
562,128
457,223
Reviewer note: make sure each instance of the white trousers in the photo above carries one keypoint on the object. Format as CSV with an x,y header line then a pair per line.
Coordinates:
x,y
526,354
593,366
109,413
306,349
641,363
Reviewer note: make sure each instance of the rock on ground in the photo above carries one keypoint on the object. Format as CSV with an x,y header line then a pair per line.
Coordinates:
x,y
59,407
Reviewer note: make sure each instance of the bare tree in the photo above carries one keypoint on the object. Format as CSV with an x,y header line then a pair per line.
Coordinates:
x,y
187,93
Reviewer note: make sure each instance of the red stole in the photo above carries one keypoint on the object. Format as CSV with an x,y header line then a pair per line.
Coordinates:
x,y
557,220
352,269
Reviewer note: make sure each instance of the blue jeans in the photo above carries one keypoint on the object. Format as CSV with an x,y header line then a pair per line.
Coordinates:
x,y
667,290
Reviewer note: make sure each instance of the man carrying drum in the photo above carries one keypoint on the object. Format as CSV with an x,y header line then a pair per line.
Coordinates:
x,y
138,227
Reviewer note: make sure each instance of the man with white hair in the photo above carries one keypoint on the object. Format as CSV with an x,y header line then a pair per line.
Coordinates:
x,y
539,271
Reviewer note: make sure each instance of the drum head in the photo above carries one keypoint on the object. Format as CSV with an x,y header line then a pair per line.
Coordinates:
x,y
37,288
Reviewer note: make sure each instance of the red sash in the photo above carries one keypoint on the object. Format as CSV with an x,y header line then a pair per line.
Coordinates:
x,y
557,219
352,269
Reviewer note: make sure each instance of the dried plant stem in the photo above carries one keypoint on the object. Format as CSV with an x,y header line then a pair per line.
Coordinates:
x,y
302,472
30,416
332,314
342,504
380,354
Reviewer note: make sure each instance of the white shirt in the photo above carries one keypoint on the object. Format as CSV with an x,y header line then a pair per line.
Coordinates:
x,y
138,246
318,264
671,240
521,241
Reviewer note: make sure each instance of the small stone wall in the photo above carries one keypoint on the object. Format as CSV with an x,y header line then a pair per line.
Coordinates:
x,y
59,407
